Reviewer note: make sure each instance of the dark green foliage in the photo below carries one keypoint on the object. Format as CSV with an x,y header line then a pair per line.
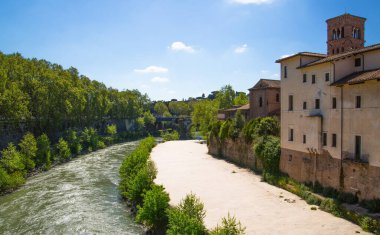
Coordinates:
x,y
268,150
28,150
187,217
268,126
224,129
368,224
90,139
63,150
236,126
373,205
153,212
230,226
43,157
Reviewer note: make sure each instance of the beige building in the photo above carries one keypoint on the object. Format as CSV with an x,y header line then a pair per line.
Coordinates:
x,y
264,98
330,112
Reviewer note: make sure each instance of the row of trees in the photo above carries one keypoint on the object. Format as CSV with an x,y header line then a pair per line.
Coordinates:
x,y
53,98
35,154
137,174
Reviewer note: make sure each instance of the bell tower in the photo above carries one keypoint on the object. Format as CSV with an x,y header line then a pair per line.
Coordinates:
x,y
345,33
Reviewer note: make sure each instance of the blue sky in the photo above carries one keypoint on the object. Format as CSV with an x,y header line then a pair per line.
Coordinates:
x,y
174,48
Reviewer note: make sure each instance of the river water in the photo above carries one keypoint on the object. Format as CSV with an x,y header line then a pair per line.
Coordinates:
x,y
79,197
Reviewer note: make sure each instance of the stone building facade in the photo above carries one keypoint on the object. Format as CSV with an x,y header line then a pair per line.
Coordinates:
x,y
330,109
264,98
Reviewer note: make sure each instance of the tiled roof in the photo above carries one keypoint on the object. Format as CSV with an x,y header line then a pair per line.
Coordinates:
x,y
358,77
304,54
346,14
267,83
244,107
343,55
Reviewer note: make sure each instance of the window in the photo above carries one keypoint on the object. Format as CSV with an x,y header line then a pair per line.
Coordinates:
x,y
358,102
358,147
304,77
337,51
358,62
324,139
327,77
317,104
334,102
261,102
333,51
342,49
285,71
290,158
290,103
277,97
304,105
291,134
333,140
304,139
313,79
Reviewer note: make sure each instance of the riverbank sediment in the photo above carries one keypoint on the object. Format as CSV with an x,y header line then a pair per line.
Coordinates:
x,y
185,166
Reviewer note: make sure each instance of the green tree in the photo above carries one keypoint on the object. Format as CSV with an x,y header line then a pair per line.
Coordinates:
x,y
161,108
268,150
11,159
28,150
226,97
187,217
153,212
204,114
63,150
74,141
230,226
241,99
43,157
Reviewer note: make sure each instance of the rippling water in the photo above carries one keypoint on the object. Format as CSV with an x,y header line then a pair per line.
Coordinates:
x,y
79,197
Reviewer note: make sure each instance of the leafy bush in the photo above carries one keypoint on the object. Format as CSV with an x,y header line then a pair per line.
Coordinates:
x,y
153,212
90,139
187,217
268,126
11,160
331,206
169,135
43,157
75,143
268,151
373,205
141,182
368,224
63,150
224,129
230,226
28,150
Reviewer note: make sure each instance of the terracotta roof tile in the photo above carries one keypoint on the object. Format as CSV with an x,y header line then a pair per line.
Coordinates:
x,y
266,83
313,54
358,77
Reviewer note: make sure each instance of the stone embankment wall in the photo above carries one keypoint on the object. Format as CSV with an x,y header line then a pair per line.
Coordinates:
x,y
357,178
238,151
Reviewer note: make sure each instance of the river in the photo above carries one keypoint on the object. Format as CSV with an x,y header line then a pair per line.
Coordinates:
x,y
79,197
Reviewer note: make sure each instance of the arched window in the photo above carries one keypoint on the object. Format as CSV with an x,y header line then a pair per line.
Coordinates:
x,y
333,51
277,97
334,34
342,32
359,36
338,34
342,49
337,51
261,102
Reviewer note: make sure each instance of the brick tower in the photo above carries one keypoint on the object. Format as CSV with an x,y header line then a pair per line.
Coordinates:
x,y
345,33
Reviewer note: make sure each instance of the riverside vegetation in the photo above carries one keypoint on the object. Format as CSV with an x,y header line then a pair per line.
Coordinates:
x,y
150,202
33,155
263,134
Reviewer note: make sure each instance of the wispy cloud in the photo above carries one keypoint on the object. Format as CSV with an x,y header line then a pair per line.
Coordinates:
x,y
241,49
152,69
246,2
181,46
159,80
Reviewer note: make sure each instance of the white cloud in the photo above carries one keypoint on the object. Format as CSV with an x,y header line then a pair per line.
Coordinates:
x,y
152,69
241,49
257,2
180,46
160,79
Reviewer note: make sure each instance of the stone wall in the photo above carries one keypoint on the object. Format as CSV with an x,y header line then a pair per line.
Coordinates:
x,y
238,151
357,178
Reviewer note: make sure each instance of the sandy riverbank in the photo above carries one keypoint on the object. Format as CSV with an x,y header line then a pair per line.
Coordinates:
x,y
185,166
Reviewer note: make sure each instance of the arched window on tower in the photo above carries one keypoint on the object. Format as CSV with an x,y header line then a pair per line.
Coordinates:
x,y
334,34
333,51
342,32
338,34
359,36
337,51
342,49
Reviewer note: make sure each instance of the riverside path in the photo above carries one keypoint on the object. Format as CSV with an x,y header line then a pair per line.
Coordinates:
x,y
185,166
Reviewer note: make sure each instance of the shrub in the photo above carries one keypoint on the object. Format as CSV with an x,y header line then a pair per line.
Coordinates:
x,y
331,206
268,151
141,182
100,145
90,138
43,158
11,160
75,143
153,212
224,129
268,126
368,224
187,217
169,135
10,181
63,150
111,130
28,150
230,226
